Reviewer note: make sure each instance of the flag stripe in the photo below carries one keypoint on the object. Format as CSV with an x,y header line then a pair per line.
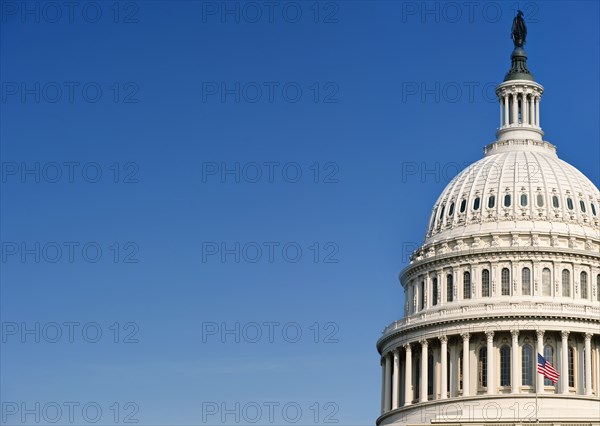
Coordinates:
x,y
547,370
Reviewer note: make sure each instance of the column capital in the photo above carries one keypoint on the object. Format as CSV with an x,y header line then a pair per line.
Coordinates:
x,y
514,334
443,339
540,334
564,334
396,351
588,336
407,347
465,336
489,335
424,342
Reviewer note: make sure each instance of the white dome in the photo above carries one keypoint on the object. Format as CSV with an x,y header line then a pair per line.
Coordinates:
x,y
519,185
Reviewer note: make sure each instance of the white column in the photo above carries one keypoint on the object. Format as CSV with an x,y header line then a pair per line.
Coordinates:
x,y
501,108
588,363
525,109
537,111
540,350
490,363
515,109
396,384
424,359
408,376
465,366
444,372
514,361
564,363
532,111
388,383
382,362
506,113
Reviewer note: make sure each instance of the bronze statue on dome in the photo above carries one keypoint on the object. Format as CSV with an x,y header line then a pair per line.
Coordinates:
x,y
519,30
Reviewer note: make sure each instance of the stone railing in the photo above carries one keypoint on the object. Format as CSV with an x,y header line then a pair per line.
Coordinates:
x,y
493,310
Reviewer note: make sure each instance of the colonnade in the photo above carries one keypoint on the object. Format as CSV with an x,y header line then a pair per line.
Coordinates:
x,y
519,108
501,361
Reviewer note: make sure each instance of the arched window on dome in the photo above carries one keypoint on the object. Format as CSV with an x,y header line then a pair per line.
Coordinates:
x,y
540,200
598,287
549,355
485,283
449,288
594,212
555,202
571,365
442,214
467,285
430,375
582,205
570,203
434,290
523,200
482,367
527,365
433,218
584,284
460,371
526,281
505,282
463,205
476,203
417,376
422,295
448,372
546,282
566,283
507,200
505,365
491,201
451,209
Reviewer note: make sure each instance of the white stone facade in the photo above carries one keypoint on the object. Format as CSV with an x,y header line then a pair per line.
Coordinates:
x,y
510,267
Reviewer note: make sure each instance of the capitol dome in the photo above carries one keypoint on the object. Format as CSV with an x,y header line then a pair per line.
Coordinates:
x,y
518,186
502,300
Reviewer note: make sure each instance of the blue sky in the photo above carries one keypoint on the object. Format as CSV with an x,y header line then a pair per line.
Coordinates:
x,y
172,170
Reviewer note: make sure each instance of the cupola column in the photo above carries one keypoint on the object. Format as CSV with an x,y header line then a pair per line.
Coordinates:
x,y
490,363
444,365
424,362
564,362
515,110
514,361
396,378
408,375
531,111
465,366
506,113
588,363
525,108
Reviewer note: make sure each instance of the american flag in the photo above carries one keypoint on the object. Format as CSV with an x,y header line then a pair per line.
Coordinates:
x,y
546,369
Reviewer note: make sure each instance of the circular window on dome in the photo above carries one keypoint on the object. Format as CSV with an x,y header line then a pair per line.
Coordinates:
x,y
582,205
476,203
523,200
507,200
491,201
570,203
555,202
